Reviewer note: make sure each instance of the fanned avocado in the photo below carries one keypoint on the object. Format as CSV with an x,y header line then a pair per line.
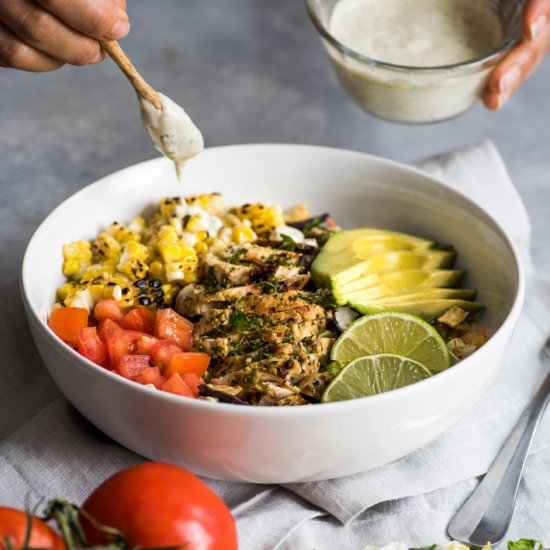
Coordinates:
x,y
375,270
426,309
392,282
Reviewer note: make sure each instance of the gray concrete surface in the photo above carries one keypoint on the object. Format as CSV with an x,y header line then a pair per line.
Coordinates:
x,y
247,71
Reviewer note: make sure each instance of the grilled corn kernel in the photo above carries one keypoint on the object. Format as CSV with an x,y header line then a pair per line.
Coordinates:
x,y
66,289
170,292
242,235
106,247
97,271
175,222
71,267
193,223
170,252
137,225
264,218
201,248
123,234
167,206
133,260
156,270
112,292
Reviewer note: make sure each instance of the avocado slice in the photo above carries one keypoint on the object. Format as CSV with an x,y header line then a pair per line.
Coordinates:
x,y
338,273
426,309
347,251
398,280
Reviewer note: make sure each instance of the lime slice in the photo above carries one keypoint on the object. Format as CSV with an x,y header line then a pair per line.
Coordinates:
x,y
374,374
397,333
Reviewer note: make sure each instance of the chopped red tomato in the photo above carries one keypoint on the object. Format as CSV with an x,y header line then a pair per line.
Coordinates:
x,y
188,362
108,309
171,326
131,366
146,343
151,375
141,319
91,346
193,381
162,353
67,321
119,341
175,384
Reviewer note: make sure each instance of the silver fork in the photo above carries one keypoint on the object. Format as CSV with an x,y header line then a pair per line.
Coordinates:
x,y
485,516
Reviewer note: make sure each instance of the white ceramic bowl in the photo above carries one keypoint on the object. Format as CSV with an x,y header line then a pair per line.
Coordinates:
x,y
275,445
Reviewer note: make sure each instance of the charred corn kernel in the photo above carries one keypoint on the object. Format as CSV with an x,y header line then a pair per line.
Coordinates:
x,y
97,271
81,298
80,250
123,234
201,248
170,252
112,292
175,222
66,289
167,206
193,223
200,235
170,292
190,277
209,202
136,225
97,291
71,267
174,272
263,218
242,235
168,233
106,247
231,220
133,260
297,214
156,270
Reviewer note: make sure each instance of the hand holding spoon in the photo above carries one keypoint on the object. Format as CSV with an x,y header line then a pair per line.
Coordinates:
x,y
168,125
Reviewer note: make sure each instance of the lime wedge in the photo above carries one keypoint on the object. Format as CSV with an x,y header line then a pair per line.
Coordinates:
x,y
374,374
396,333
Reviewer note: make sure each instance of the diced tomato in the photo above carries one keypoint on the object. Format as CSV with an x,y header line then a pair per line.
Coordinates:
x,y
141,319
171,326
188,362
108,309
151,375
91,346
119,341
131,366
146,343
162,353
175,384
67,321
193,381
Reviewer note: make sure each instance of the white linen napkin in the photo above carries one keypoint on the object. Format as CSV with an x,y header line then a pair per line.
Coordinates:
x,y
48,449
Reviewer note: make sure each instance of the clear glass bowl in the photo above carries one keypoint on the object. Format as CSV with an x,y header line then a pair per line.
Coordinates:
x,y
414,94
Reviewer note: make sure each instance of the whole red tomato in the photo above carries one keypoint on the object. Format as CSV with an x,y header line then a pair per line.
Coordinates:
x,y
13,526
158,505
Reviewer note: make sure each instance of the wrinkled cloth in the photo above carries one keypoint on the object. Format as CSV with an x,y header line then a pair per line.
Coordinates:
x,y
48,449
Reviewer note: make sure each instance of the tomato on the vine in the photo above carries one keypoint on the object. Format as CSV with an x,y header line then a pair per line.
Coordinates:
x,y
13,528
160,505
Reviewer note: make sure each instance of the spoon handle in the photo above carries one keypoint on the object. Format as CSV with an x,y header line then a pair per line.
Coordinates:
x,y
147,92
486,514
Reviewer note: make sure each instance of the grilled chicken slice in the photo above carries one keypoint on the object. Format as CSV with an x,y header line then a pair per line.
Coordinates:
x,y
200,303
262,255
230,274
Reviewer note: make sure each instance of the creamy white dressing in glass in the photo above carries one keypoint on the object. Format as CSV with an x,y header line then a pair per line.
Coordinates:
x,y
417,33
172,131
413,33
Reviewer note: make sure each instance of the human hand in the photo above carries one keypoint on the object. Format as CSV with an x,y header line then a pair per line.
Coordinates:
x,y
42,35
523,59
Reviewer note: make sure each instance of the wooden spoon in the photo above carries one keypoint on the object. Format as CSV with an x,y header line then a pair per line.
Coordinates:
x,y
147,92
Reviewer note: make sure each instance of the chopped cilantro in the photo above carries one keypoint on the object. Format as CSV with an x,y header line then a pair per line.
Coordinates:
x,y
235,258
241,322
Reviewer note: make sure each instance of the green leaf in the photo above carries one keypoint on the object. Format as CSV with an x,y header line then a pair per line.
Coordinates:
x,y
525,544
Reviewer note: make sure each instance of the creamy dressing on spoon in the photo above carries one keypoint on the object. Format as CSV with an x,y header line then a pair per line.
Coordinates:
x,y
172,131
